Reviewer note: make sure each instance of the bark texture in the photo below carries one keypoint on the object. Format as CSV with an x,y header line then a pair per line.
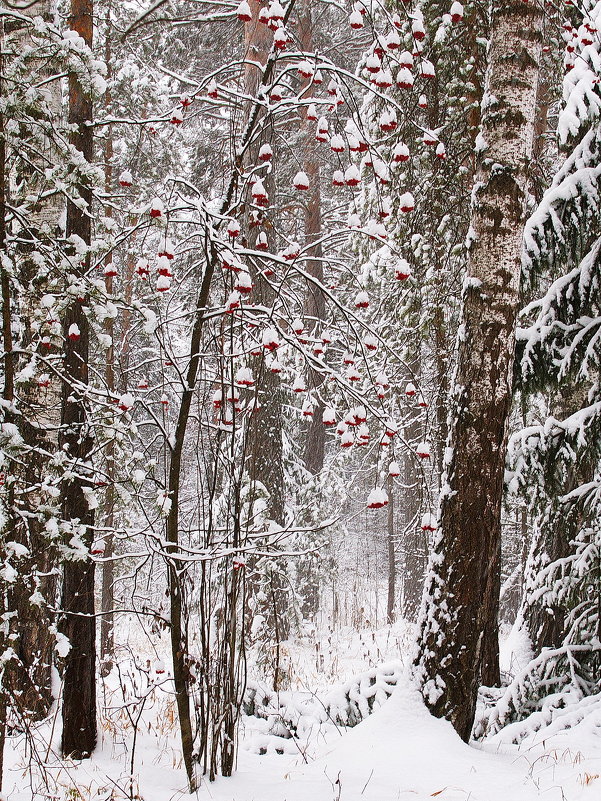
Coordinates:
x,y
79,623
414,540
107,602
264,441
390,599
265,428
37,409
461,594
8,382
315,304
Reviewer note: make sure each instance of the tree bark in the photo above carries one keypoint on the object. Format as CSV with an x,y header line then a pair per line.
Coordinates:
x,y
315,304
7,337
414,540
264,442
491,669
265,428
461,597
390,601
79,623
107,603
36,410
8,385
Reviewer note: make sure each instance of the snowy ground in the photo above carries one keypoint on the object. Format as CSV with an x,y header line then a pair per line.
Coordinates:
x,y
399,752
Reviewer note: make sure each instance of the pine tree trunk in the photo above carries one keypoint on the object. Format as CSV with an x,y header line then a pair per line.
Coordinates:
x,y
79,623
315,305
37,416
461,591
264,444
315,311
265,429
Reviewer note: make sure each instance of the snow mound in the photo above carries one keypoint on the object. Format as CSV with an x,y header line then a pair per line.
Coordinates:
x,y
400,751
275,718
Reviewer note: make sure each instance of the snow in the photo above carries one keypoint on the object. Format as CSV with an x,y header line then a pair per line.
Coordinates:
x,y
399,751
63,646
8,574
377,498
16,549
516,649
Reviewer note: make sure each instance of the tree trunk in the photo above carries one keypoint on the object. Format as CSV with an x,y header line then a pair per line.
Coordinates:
x,y
8,386
461,590
414,540
107,644
265,428
7,337
264,444
36,413
79,623
391,554
315,310
491,669
178,631
315,304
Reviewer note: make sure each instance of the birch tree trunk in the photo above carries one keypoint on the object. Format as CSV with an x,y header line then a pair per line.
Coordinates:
x,y
461,594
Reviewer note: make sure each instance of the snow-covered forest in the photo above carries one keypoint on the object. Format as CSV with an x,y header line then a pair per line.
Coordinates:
x,y
300,441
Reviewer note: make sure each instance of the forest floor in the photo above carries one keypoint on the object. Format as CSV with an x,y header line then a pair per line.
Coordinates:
x,y
398,752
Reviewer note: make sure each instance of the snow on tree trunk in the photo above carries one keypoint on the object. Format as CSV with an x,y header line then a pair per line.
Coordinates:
x,y
79,624
38,416
8,378
265,429
461,594
264,449
108,567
